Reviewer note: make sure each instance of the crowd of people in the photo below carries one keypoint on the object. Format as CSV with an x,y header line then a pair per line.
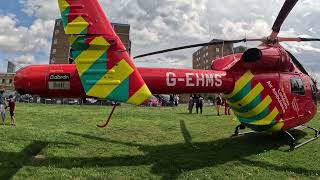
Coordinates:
x,y
7,103
194,100
198,100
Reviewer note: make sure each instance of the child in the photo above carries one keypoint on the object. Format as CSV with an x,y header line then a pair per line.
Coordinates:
x,y
2,106
218,103
226,108
12,107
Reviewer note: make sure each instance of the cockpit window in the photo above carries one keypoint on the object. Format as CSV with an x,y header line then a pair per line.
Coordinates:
x,y
297,86
297,63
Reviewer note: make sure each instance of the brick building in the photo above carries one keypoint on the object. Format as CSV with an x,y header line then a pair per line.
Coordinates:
x,y
60,47
202,58
123,31
59,53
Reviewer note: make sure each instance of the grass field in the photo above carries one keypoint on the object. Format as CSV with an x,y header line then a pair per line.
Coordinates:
x,y
62,142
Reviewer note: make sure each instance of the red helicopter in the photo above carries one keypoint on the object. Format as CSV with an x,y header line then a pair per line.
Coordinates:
x,y
267,88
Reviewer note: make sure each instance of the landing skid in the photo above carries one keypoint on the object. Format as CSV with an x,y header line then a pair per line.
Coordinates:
x,y
293,142
238,133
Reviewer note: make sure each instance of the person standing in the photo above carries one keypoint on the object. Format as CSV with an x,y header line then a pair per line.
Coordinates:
x,y
12,107
218,103
226,107
171,100
2,106
199,104
176,100
190,104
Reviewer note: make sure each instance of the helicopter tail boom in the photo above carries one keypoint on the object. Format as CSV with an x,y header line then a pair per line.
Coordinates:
x,y
182,81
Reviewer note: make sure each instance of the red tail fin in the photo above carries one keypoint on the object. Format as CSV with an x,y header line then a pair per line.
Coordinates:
x,y
103,64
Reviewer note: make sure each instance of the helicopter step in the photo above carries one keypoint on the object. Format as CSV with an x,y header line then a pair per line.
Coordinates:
x,y
293,142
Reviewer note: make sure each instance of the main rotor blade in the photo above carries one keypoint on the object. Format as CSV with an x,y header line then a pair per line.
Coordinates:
x,y
297,39
284,12
195,45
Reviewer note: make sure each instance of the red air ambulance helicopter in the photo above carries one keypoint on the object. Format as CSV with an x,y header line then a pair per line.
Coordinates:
x,y
267,88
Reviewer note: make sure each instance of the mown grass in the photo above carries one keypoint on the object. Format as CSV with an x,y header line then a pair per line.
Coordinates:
x,y
62,142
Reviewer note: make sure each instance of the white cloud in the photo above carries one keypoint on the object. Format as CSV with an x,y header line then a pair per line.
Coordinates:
x,y
20,39
43,9
24,60
21,43
299,47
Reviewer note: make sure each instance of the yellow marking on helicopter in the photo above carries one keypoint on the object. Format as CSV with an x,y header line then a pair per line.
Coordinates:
x,y
268,119
243,81
249,97
257,110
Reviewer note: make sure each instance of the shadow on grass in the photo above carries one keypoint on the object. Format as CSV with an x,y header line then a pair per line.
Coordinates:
x,y
12,162
210,115
185,133
168,161
275,167
184,113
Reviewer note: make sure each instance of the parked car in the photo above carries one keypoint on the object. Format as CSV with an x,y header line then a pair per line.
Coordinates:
x,y
152,101
164,99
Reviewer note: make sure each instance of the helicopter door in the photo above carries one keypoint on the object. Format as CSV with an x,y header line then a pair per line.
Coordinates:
x,y
298,96
287,84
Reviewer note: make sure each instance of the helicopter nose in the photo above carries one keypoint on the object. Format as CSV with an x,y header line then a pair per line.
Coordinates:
x,y
31,80
20,81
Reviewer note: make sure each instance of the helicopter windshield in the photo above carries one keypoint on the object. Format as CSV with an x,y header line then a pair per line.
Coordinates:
x,y
297,63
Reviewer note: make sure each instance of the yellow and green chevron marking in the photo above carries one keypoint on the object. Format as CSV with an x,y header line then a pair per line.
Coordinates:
x,y
251,108
75,24
91,60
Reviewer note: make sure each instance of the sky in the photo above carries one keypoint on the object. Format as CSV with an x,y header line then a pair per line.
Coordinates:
x,y
26,27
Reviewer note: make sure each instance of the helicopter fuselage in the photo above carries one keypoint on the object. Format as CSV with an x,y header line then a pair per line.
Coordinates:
x,y
263,86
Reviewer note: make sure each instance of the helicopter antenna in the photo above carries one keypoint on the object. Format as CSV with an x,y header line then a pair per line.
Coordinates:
x,y
222,51
246,43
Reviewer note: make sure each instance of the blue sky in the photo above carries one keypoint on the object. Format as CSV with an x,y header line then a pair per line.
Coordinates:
x,y
26,27
13,7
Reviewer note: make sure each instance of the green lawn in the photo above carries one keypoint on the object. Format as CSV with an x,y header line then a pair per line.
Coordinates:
x,y
62,142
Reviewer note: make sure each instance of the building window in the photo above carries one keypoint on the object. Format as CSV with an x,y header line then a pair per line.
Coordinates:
x,y
10,81
217,50
58,23
53,60
54,51
56,31
55,41
3,81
